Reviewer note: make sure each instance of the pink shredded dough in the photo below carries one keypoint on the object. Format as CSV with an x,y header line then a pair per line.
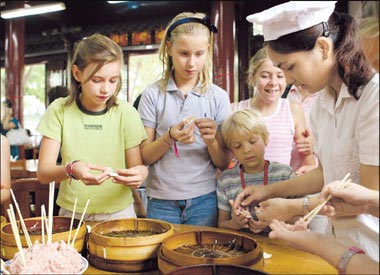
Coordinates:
x,y
54,258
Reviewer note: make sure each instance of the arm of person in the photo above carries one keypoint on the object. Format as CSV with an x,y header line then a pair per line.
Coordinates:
x,y
152,150
287,210
48,170
305,184
326,247
133,159
304,144
5,169
220,156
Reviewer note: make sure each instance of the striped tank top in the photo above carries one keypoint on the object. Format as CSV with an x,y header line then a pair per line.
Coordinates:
x,y
281,130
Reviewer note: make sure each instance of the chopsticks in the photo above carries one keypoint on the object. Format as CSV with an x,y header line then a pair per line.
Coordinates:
x,y
343,183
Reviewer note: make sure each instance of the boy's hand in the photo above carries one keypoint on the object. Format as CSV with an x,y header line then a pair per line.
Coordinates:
x,y
239,217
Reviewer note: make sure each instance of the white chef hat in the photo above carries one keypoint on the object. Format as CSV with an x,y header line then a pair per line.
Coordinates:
x,y
291,17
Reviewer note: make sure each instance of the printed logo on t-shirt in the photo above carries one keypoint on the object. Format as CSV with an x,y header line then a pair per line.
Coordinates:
x,y
97,127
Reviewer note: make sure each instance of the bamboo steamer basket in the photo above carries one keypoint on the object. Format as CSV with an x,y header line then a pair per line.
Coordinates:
x,y
3,221
170,260
126,254
9,246
216,270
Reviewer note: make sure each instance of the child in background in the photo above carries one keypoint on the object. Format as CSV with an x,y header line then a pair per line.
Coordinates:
x,y
98,133
183,158
285,120
245,134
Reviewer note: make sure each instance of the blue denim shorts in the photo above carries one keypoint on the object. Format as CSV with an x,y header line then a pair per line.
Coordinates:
x,y
201,210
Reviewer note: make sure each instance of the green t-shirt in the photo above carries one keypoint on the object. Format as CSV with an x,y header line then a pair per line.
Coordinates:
x,y
98,138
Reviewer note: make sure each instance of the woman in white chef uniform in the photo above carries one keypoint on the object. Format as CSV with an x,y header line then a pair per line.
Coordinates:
x,y
319,50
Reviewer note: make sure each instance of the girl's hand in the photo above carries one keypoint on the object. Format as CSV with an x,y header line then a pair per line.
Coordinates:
x,y
183,133
305,144
83,171
208,129
132,177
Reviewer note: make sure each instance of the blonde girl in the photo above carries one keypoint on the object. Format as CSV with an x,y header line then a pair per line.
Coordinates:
x,y
284,119
96,133
183,157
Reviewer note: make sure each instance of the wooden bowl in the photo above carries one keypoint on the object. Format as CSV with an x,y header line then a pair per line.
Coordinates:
x,y
216,270
216,248
127,253
61,225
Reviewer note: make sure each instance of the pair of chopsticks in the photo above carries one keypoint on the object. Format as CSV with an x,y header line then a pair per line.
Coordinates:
x,y
308,217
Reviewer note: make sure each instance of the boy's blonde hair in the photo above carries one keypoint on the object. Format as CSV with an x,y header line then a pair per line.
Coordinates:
x,y
190,28
97,49
245,122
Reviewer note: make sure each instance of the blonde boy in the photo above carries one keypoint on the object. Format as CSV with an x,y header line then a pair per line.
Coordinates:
x,y
245,134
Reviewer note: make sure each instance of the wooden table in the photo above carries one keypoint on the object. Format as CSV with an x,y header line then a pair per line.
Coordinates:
x,y
284,260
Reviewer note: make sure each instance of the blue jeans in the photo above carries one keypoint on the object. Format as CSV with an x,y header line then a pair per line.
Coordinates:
x,y
201,210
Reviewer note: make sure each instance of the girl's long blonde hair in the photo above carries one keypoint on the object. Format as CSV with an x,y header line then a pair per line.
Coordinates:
x,y
97,49
190,28
254,64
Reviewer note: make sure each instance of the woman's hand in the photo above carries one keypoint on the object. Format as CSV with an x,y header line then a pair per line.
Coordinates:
x,y
208,129
296,236
354,199
250,195
276,208
132,177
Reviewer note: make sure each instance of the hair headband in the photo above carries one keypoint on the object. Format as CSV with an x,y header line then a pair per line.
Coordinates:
x,y
205,21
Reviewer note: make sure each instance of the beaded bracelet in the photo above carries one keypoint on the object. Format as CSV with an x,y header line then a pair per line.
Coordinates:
x,y
69,170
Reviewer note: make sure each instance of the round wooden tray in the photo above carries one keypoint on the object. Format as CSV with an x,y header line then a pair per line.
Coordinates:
x,y
171,257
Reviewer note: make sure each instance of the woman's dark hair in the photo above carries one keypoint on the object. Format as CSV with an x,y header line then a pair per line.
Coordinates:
x,y
353,68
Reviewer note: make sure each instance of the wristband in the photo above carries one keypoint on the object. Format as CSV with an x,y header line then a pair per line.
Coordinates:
x,y
174,143
69,170
170,128
346,257
306,209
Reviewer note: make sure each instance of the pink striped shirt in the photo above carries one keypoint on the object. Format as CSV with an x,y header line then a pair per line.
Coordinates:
x,y
281,130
